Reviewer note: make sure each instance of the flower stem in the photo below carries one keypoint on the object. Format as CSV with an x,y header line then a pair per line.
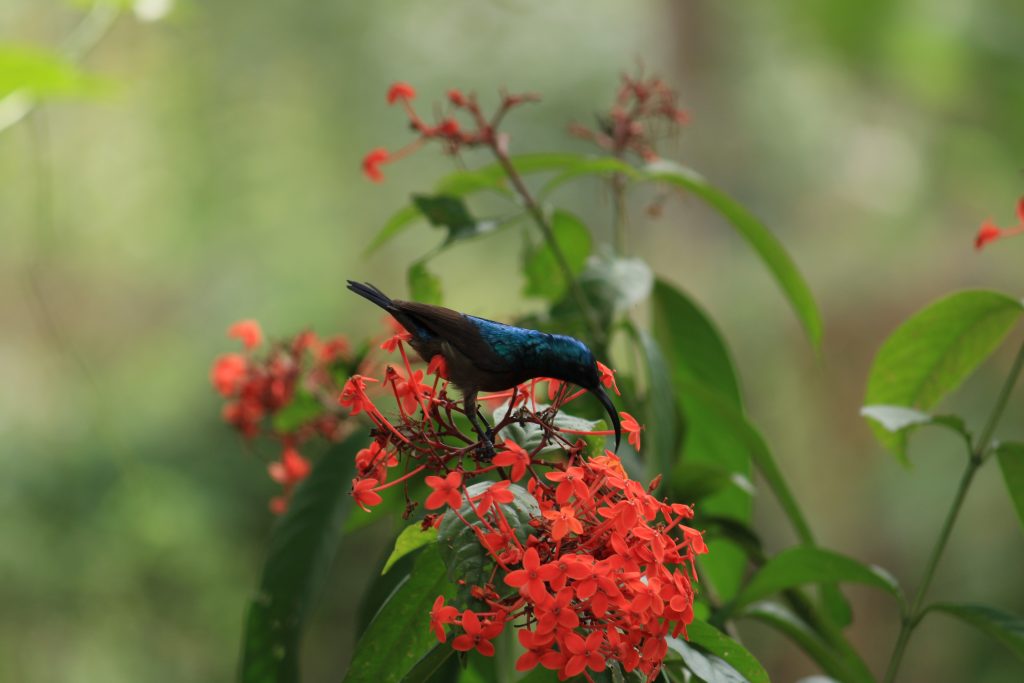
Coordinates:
x,y
977,455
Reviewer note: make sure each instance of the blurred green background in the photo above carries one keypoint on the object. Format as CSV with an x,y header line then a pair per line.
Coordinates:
x,y
213,174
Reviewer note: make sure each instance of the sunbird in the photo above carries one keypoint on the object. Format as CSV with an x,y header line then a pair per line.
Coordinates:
x,y
484,355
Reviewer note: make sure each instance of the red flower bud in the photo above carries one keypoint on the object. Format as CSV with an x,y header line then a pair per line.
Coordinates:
x,y
400,91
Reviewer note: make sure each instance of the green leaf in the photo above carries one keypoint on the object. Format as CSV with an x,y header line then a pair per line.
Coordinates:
x,y
413,537
934,351
399,221
424,286
302,546
707,667
429,664
303,407
544,275
400,635
712,640
1003,627
660,407
467,561
695,481
755,233
1011,462
847,667
448,211
803,565
902,420
42,74
588,167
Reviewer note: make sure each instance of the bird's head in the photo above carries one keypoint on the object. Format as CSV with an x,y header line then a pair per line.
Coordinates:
x,y
574,362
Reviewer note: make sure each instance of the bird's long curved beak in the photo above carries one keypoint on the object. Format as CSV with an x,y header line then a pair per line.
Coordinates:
x,y
612,413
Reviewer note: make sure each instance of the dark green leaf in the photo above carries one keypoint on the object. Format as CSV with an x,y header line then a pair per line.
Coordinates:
x,y
1006,628
805,565
1011,462
303,407
694,481
934,351
429,664
448,211
400,635
712,640
845,668
707,667
756,234
302,546
424,286
544,275
399,221
413,537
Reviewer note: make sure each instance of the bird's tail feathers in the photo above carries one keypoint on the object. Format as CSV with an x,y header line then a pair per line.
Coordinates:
x,y
368,291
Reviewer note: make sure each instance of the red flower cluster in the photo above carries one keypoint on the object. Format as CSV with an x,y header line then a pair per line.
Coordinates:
x,y
990,232
260,387
447,129
605,572
633,124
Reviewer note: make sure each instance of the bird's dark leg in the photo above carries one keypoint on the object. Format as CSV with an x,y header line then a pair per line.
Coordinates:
x,y
486,437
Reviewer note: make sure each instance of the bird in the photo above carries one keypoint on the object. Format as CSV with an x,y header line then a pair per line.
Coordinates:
x,y
484,355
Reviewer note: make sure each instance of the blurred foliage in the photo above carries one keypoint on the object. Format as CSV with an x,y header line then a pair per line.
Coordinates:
x,y
220,179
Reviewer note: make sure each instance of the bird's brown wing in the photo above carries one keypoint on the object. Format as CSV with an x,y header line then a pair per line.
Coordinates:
x,y
457,330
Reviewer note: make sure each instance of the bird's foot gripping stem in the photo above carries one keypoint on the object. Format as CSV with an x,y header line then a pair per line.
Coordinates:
x,y
485,448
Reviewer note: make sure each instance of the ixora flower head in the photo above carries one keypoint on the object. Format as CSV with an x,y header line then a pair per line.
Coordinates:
x,y
551,537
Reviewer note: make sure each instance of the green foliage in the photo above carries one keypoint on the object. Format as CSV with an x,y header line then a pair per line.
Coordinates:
x,y
1011,462
412,538
42,74
399,636
930,354
1002,627
302,546
544,277
424,286
713,641
303,408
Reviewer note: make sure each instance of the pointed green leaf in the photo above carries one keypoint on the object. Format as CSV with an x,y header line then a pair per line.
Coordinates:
x,y
544,276
413,537
712,640
755,233
930,354
1003,627
1011,462
707,667
399,636
805,565
41,74
424,286
302,546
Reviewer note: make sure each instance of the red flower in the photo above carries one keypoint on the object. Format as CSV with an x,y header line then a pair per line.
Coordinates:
x,y
292,468
362,491
400,91
563,521
632,427
449,127
538,651
353,395
496,493
530,579
446,491
228,372
989,232
392,342
278,505
372,163
608,377
248,331
556,613
515,457
570,483
456,98
438,366
585,653
441,614
477,635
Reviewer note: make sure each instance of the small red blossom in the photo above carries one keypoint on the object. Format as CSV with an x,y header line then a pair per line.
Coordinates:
x,y
608,377
392,342
438,366
515,457
440,615
353,395
291,469
365,496
990,232
228,373
530,579
539,650
400,91
585,654
570,483
372,163
446,491
478,635
248,332
563,522
631,427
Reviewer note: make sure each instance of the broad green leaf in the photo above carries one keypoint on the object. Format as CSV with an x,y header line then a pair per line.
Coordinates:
x,y
303,407
660,407
424,286
1011,462
413,537
544,275
712,640
805,565
695,481
902,420
466,559
589,167
707,667
737,532
1006,628
449,211
612,285
429,664
844,668
399,221
302,546
462,183
400,634
930,354
40,74
755,233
